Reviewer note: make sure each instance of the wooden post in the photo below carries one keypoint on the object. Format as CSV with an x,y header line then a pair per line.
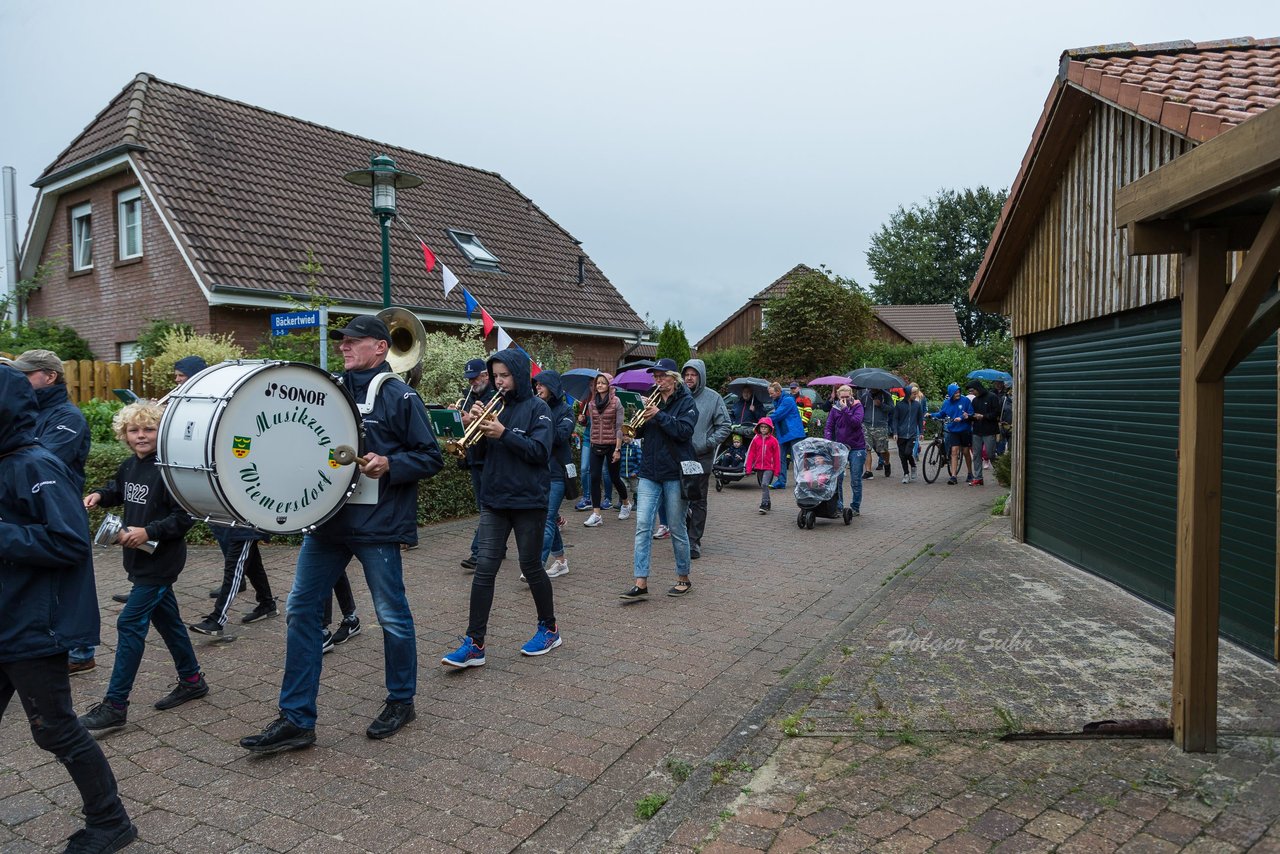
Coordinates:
x,y
1199,525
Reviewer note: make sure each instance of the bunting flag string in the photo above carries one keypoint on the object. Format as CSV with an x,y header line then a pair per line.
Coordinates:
x,y
450,280
470,301
504,340
488,324
430,258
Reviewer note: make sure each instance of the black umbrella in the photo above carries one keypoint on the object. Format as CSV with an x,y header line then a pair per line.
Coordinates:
x,y
754,382
875,378
577,382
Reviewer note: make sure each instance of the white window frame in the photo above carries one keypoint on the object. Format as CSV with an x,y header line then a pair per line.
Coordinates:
x,y
126,200
82,237
128,352
476,253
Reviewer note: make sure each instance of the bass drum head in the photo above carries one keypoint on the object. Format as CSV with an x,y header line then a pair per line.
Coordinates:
x,y
271,443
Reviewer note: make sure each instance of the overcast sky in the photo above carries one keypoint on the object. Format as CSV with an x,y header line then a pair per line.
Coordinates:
x,y
697,149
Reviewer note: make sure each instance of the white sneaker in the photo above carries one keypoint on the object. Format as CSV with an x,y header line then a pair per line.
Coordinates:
x,y
906,478
624,512
594,521
661,532
559,567
913,475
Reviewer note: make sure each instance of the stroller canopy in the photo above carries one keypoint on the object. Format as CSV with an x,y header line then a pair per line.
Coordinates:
x,y
818,464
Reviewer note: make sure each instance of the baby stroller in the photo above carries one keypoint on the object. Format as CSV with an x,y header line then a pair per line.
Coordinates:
x,y
729,465
818,465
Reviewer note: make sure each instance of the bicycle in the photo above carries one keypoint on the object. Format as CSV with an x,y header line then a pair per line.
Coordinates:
x,y
934,456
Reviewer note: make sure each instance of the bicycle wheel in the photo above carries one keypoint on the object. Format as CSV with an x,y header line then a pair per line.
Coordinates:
x,y
932,462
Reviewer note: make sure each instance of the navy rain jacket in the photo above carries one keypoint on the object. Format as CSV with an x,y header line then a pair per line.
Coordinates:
x,y
47,592
515,466
562,423
666,439
61,427
397,429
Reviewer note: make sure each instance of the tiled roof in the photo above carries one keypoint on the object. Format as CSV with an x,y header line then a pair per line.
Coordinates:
x,y
250,191
783,282
1194,89
922,324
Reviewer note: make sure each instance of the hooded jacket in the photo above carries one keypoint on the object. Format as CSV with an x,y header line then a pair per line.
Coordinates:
x,y
666,439
877,413
562,423
787,418
62,428
713,424
907,417
516,463
987,405
764,453
750,411
47,590
397,429
844,425
606,421
950,410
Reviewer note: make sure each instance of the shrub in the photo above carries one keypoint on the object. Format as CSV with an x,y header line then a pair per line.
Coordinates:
x,y
99,414
542,348
446,496
178,344
443,358
43,334
1002,466
152,336
933,366
729,363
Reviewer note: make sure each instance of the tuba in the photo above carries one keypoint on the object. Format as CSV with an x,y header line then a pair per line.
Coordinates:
x,y
408,342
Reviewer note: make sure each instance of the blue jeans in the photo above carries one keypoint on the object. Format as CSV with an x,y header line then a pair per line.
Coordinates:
x,y
784,456
857,461
584,469
650,495
81,654
551,540
319,564
148,605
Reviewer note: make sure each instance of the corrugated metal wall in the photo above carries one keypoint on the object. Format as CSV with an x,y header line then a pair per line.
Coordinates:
x,y
1074,267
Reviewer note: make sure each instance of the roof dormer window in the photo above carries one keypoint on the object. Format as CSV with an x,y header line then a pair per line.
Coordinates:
x,y
473,249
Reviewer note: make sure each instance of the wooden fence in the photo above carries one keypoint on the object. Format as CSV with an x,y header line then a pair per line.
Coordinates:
x,y
89,380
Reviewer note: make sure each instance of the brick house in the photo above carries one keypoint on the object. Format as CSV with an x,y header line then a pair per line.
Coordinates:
x,y
179,205
899,324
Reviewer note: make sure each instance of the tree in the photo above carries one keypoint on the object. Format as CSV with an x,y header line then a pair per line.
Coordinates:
x,y
808,330
930,254
672,343
544,350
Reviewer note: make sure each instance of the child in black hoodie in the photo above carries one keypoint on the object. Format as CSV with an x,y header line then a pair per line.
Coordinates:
x,y
151,516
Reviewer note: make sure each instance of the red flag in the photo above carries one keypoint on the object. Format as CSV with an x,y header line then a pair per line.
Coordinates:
x,y
488,322
534,370
428,256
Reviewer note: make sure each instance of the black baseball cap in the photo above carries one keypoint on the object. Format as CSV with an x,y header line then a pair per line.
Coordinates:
x,y
363,326
474,368
664,366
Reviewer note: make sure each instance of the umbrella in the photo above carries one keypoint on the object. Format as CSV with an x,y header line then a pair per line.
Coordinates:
x,y
991,375
636,380
577,382
638,363
875,378
754,382
831,380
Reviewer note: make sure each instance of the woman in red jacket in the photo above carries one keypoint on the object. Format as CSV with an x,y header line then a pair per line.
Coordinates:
x,y
605,411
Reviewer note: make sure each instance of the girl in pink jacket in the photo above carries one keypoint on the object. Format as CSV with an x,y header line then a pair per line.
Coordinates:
x,y
764,457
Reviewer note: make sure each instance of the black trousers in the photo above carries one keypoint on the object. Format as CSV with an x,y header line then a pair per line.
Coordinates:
x,y
346,599
598,462
44,689
906,447
240,560
696,516
495,526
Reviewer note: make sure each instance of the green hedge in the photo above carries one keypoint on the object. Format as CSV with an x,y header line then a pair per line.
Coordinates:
x,y
446,496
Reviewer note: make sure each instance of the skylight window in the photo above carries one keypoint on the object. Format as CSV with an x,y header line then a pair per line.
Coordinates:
x,y
474,249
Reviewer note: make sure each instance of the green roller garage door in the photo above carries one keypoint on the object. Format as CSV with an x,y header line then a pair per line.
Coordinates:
x,y
1101,468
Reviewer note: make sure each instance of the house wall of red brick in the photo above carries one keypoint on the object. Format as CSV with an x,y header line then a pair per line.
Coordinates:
x,y
111,304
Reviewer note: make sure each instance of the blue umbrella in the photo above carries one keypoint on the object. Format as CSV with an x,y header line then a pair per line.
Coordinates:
x,y
577,382
991,375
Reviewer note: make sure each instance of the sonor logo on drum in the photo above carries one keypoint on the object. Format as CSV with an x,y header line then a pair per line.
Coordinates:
x,y
288,392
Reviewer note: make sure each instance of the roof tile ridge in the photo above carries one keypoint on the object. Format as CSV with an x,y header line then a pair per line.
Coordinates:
x,y
363,139
92,123
137,105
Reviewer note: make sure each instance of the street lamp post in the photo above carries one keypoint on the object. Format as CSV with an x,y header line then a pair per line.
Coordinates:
x,y
384,179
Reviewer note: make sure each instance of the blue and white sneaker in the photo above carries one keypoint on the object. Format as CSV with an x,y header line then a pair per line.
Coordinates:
x,y
584,503
541,643
606,505
467,655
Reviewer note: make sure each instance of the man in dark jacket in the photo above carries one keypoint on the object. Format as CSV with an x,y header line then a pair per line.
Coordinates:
x,y
371,526
986,426
877,409
666,441
750,406
60,427
45,560
516,447
711,429
479,390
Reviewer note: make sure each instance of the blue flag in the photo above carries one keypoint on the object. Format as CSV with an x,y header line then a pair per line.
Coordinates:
x,y
472,304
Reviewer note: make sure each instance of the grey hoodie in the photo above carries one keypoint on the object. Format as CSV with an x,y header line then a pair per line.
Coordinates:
x,y
713,418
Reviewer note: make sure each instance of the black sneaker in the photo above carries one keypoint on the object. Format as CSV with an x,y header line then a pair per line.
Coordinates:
x,y
101,840
279,735
348,628
635,593
183,692
120,597
207,626
951,481
261,612
469,563
866,475
326,645
391,719
104,718
888,469
879,464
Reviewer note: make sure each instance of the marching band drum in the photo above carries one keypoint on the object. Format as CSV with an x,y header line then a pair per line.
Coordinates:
x,y
264,444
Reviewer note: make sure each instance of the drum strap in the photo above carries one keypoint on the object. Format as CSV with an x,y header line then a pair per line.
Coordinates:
x,y
371,394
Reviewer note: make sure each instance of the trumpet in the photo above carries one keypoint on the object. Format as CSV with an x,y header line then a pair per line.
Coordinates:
x,y
458,447
633,426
